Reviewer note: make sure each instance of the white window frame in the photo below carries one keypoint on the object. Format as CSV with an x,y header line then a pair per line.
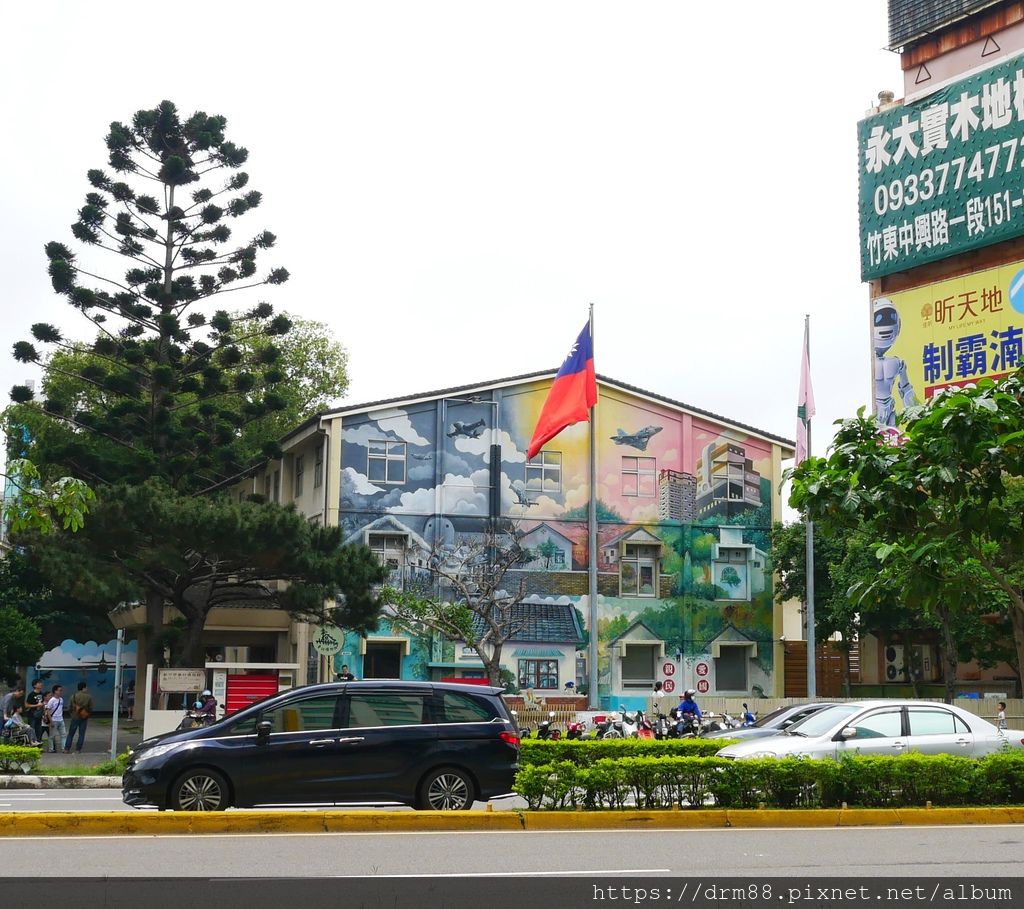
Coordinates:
x,y
644,555
641,469
389,456
545,465
300,470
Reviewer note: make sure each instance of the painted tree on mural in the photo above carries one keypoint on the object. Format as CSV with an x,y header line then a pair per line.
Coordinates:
x,y
475,602
172,389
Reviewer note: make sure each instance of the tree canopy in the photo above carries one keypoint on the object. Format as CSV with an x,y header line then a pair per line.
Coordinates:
x,y
942,507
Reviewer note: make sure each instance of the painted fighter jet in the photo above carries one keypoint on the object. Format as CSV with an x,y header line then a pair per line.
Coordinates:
x,y
521,497
429,456
469,430
638,439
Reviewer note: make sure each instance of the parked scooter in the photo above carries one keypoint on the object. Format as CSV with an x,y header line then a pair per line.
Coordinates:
x,y
544,730
630,723
607,727
575,730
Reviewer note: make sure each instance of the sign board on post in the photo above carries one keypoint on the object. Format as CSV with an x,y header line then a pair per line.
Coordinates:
x,y
176,681
328,640
945,174
946,335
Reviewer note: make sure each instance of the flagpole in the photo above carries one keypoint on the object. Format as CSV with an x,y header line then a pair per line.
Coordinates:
x,y
812,644
592,674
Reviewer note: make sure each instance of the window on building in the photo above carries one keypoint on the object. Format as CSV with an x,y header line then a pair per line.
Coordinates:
x,y
266,487
300,469
637,666
542,674
389,548
386,462
318,468
544,472
638,571
639,477
731,669
277,486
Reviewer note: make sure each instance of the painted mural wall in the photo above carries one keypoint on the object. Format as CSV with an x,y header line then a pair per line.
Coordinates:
x,y
684,507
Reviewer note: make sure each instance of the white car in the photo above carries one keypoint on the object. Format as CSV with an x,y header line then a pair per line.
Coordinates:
x,y
882,727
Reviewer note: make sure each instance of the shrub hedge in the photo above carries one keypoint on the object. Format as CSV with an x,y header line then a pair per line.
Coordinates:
x,y
908,780
585,752
18,759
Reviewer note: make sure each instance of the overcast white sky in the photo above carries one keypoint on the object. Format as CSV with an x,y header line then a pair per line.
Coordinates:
x,y
453,182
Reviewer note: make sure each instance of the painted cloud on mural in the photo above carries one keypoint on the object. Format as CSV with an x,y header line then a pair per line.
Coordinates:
x,y
358,483
510,452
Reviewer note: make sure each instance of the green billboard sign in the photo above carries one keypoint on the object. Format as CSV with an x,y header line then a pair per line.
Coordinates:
x,y
945,174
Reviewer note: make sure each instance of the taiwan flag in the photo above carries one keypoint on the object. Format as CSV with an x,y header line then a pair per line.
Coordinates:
x,y
572,395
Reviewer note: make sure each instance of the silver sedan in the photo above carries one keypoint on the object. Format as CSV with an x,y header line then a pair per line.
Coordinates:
x,y
883,727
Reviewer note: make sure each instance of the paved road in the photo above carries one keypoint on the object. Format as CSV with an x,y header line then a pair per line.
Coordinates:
x,y
894,852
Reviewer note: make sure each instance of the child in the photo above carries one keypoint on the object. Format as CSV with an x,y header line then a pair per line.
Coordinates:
x,y
1001,716
17,731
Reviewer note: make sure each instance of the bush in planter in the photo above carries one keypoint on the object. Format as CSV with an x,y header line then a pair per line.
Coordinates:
x,y
1000,779
585,752
18,759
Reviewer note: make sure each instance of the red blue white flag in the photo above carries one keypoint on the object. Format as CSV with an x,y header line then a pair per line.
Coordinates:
x,y
572,395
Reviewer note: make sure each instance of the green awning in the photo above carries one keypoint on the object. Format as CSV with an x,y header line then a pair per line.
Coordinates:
x,y
523,652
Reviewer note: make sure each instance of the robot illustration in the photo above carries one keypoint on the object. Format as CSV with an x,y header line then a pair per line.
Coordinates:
x,y
885,329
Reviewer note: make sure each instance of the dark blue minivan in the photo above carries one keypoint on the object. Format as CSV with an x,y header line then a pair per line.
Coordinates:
x,y
430,745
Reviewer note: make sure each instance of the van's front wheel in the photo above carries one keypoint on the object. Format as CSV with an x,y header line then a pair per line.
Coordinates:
x,y
200,790
446,789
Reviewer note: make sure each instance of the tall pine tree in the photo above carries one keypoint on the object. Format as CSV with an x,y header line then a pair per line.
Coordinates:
x,y
159,414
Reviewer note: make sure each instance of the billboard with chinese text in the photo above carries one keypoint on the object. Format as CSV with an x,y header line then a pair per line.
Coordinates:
x,y
946,335
943,175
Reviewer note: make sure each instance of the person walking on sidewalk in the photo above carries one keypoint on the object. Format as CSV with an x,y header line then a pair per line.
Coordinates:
x,y
34,707
55,718
81,710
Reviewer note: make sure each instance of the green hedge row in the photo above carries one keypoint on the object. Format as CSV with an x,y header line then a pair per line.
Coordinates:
x,y
584,752
908,780
18,759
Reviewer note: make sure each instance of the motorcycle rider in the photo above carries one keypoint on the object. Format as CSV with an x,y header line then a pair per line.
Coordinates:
x,y
688,706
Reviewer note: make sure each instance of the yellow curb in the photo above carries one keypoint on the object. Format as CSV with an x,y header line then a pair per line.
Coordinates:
x,y
151,823
778,817
875,817
624,820
406,821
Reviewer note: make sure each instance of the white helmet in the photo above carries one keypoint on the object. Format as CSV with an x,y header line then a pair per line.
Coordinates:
x,y
885,324
206,693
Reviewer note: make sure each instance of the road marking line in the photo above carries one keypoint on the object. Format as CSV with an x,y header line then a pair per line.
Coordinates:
x,y
618,831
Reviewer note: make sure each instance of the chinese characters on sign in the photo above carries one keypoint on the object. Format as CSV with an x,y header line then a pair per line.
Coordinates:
x,y
946,335
945,174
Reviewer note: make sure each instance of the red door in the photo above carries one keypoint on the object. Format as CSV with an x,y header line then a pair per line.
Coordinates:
x,y
244,690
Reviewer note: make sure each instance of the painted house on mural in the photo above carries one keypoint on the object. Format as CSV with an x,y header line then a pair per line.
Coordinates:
x,y
686,500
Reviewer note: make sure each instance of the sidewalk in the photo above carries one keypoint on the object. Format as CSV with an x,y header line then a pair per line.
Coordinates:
x,y
97,744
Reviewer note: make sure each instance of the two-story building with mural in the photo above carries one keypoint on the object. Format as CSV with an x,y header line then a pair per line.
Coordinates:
x,y
685,503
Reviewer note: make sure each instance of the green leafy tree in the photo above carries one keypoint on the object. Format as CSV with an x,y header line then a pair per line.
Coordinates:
x,y
946,495
198,553
42,507
19,642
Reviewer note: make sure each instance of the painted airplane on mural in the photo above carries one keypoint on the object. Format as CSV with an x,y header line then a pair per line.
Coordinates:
x,y
638,439
469,430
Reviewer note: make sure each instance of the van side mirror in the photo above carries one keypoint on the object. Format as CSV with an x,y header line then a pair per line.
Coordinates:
x,y
263,729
